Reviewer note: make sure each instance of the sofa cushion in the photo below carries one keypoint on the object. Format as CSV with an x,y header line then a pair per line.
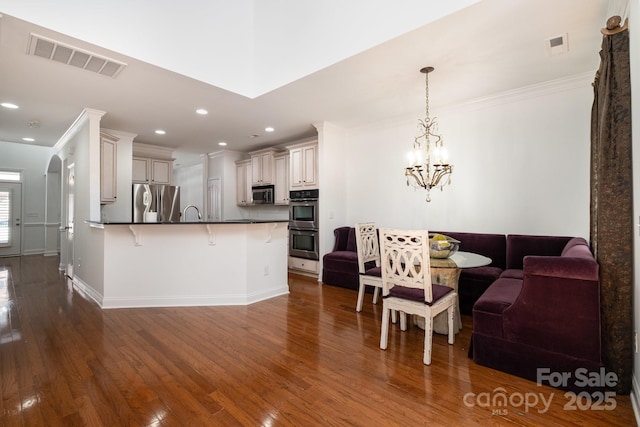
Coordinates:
x,y
486,273
493,246
561,268
519,246
342,236
488,310
472,284
500,295
374,271
351,240
341,260
577,248
513,273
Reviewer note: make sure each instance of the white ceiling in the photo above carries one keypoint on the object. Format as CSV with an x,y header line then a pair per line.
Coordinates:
x,y
281,63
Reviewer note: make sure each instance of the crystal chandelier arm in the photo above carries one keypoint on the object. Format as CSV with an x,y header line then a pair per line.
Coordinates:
x,y
440,173
416,173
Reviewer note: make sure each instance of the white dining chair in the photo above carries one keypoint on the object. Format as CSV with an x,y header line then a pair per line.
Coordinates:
x,y
407,286
368,252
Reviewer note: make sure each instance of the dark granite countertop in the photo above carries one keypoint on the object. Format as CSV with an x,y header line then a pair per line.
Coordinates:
x,y
231,221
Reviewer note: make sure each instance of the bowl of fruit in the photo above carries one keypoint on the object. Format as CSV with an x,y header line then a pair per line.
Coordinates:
x,y
441,246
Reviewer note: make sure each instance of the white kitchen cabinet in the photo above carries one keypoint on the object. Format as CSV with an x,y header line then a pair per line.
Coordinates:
x,y
161,171
140,170
262,166
152,171
281,191
108,168
243,183
303,166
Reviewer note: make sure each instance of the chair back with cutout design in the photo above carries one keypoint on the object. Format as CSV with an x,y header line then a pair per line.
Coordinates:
x,y
367,245
405,261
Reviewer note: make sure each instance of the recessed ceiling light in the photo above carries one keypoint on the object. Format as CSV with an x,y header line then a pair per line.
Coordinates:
x,y
160,132
202,111
9,105
222,143
269,129
28,139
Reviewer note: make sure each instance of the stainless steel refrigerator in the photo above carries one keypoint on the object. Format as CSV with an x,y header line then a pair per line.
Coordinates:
x,y
162,199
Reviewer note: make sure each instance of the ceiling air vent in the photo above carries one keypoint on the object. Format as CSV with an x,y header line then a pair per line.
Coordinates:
x,y
557,45
65,54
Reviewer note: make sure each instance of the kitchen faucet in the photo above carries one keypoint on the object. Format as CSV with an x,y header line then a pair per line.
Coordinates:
x,y
184,212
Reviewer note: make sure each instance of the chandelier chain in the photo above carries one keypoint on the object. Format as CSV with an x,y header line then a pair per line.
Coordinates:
x,y
426,77
428,167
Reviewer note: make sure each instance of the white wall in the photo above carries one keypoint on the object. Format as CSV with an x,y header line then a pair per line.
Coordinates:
x,y
334,167
521,165
189,178
221,164
121,209
33,161
80,146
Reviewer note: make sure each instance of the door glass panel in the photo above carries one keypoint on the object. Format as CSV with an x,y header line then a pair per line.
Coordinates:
x,y
9,176
5,217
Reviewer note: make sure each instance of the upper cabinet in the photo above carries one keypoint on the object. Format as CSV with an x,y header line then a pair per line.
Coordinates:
x,y
262,166
152,164
303,166
161,171
152,171
140,170
281,196
243,183
108,168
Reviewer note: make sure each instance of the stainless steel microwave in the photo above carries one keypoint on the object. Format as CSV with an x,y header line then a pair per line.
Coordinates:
x,y
262,194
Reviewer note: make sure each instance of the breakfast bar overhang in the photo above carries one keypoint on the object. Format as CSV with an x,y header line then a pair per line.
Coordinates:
x,y
186,264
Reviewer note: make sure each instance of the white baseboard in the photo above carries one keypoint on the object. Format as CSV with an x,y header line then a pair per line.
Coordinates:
x,y
32,251
87,290
192,301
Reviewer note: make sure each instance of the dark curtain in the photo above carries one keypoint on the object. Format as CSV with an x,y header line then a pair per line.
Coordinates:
x,y
612,204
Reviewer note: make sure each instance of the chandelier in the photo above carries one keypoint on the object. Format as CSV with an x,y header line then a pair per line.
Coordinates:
x,y
428,161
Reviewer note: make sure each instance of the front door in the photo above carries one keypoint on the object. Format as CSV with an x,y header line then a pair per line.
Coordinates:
x,y
10,214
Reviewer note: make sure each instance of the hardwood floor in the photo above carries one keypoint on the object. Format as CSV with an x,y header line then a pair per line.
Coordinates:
x,y
304,359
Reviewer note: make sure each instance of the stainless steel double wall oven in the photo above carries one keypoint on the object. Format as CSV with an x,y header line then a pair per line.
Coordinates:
x,y
303,224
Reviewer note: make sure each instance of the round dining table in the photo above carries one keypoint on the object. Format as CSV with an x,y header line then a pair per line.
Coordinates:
x,y
446,271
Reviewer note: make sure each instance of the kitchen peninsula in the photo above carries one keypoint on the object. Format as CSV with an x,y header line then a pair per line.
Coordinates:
x,y
235,262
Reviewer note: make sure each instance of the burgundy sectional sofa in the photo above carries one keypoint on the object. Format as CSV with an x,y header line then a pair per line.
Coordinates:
x,y
541,317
